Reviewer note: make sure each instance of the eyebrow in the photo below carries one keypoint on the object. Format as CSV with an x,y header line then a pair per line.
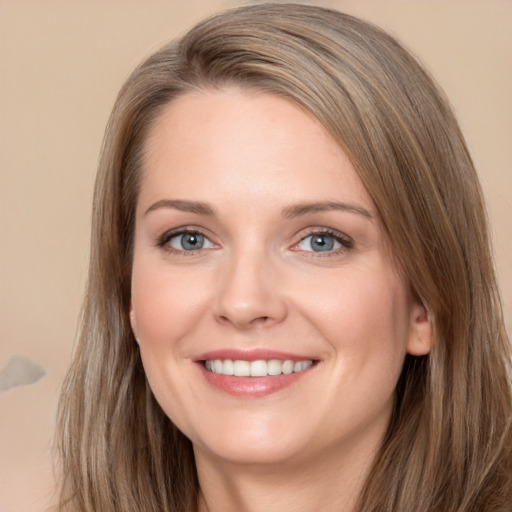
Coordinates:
x,y
183,206
298,210
290,212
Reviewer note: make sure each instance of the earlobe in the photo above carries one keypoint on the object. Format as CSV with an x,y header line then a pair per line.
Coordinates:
x,y
133,322
420,333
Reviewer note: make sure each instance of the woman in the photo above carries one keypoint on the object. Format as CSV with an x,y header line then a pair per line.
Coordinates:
x,y
291,302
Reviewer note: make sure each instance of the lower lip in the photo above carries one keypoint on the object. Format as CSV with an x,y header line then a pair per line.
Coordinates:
x,y
251,386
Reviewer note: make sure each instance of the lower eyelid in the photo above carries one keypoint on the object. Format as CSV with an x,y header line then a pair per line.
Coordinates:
x,y
164,240
345,242
307,240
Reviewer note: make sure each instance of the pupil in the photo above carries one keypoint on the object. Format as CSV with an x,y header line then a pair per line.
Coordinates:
x,y
322,243
192,241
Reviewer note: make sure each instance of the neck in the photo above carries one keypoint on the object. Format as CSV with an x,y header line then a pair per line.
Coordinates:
x,y
332,482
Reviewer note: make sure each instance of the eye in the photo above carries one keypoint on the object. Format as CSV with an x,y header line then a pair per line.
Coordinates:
x,y
323,242
186,241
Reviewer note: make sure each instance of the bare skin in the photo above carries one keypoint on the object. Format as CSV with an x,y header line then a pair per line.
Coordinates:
x,y
255,235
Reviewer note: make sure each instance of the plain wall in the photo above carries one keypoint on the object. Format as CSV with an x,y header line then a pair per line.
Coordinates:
x,y
61,65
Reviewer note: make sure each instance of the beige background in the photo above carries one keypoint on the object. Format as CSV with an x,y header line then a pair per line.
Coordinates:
x,y
61,64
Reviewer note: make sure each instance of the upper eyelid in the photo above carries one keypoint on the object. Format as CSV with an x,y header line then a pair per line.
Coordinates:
x,y
347,243
163,241
302,234
325,231
171,233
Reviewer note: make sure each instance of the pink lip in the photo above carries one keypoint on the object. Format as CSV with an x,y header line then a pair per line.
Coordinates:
x,y
250,386
250,355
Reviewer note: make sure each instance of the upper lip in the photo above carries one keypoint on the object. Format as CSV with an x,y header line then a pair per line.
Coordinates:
x,y
254,354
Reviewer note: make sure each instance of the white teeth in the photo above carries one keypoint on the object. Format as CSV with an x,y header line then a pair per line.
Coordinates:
x,y
260,368
274,367
228,367
300,366
241,368
287,367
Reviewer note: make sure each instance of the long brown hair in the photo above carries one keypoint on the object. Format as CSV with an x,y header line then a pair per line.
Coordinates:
x,y
449,442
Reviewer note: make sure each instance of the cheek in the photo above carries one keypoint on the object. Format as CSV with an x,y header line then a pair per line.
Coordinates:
x,y
364,316
366,324
166,305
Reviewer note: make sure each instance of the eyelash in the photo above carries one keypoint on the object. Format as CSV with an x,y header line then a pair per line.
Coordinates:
x,y
345,241
163,240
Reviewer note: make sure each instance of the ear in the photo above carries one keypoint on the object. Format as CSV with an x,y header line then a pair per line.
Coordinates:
x,y
133,322
420,331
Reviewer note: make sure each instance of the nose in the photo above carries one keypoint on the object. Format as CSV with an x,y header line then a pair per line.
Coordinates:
x,y
249,293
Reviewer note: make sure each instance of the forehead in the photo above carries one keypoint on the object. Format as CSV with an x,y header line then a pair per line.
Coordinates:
x,y
249,143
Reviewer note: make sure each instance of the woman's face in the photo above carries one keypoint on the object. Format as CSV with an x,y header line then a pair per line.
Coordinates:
x,y
259,252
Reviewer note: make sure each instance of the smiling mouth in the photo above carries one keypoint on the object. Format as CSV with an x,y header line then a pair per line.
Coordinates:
x,y
259,368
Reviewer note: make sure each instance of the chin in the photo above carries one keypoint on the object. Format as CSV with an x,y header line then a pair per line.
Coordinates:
x,y
257,445
247,454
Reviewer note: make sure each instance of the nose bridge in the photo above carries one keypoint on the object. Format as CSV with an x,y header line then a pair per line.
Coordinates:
x,y
248,294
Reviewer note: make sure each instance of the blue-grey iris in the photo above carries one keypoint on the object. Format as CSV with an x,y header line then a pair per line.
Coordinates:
x,y
322,243
191,241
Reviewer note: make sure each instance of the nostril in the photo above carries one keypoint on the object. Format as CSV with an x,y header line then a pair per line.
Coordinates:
x,y
258,320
